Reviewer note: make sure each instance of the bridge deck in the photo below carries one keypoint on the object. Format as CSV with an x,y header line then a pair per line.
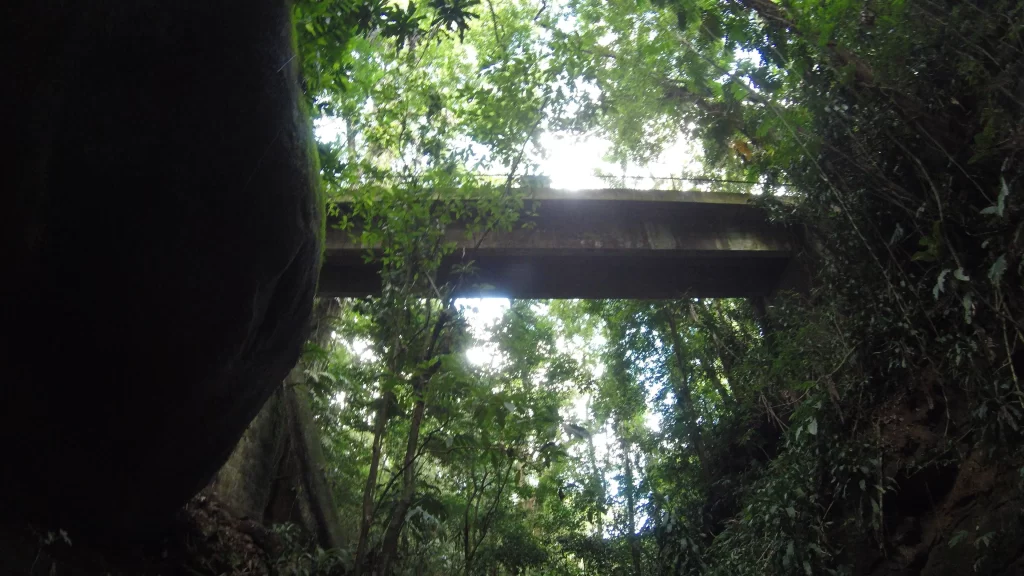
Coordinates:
x,y
605,244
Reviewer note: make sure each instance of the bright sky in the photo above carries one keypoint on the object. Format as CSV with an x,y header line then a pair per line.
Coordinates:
x,y
574,164
482,314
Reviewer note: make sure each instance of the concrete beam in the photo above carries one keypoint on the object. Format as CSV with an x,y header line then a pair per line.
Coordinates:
x,y
604,244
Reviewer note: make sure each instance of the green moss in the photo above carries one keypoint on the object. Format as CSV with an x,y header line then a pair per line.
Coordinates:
x,y
311,149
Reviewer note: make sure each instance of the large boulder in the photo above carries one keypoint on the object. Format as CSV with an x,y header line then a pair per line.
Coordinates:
x,y
162,249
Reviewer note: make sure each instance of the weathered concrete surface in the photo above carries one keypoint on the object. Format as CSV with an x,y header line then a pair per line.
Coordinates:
x,y
605,244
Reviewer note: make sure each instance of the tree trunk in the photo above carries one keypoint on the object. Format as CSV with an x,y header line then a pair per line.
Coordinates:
x,y
397,522
709,368
685,399
465,532
634,544
350,139
379,427
598,478
759,308
716,383
776,15
467,525
485,528
390,545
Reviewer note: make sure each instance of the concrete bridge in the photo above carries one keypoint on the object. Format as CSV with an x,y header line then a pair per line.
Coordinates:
x,y
604,244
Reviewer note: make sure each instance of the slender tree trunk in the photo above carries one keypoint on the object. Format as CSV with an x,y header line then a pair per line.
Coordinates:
x,y
350,139
634,544
776,15
467,522
759,307
379,427
405,545
709,368
465,537
716,383
485,527
598,478
685,399
390,545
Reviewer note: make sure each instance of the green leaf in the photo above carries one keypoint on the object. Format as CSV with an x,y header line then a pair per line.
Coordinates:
x,y
930,245
577,431
739,91
984,540
968,302
995,273
957,538
1000,205
940,284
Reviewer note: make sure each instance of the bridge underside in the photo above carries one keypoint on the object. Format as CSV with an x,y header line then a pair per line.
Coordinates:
x,y
603,244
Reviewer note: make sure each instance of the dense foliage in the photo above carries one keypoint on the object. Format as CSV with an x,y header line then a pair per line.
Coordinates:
x,y
785,436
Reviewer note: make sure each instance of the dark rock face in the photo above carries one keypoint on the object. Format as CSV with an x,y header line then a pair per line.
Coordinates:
x,y
162,234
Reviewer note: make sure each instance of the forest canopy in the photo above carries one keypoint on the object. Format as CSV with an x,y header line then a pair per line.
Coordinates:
x,y
824,432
